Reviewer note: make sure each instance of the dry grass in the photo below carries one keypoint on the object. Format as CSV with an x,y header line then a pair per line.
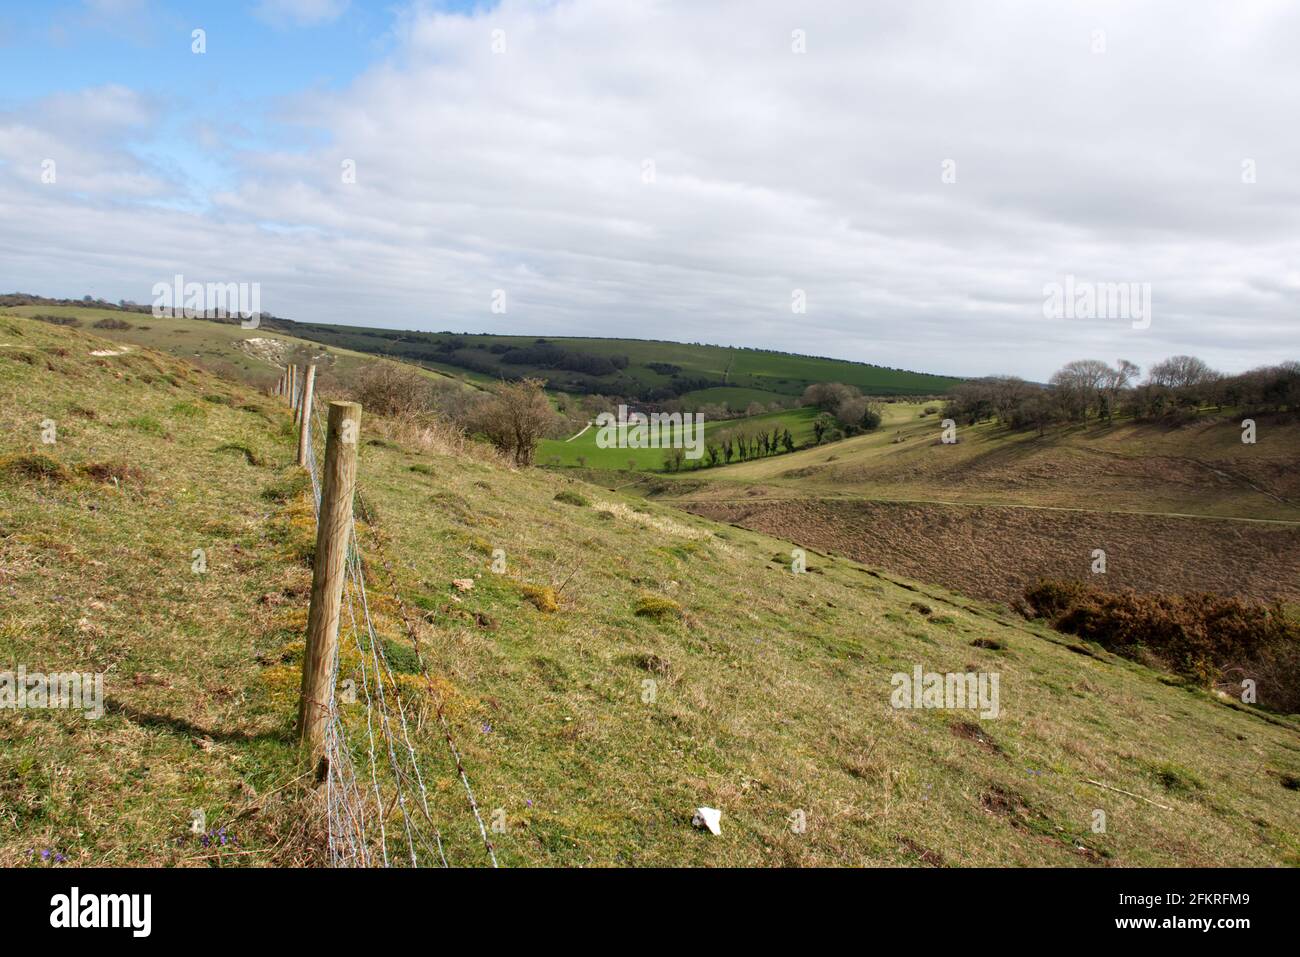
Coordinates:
x,y
593,730
997,552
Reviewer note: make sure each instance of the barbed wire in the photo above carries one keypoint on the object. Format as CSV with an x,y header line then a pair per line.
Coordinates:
x,y
346,818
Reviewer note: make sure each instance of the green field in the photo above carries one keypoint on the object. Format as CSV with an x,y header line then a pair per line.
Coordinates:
x,y
771,691
559,452
695,373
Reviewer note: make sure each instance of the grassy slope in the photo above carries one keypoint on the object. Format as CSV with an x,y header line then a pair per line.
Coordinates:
x,y
217,345
1200,469
773,689
748,374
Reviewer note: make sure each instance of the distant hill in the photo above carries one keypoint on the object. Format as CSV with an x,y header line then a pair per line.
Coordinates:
x,y
648,370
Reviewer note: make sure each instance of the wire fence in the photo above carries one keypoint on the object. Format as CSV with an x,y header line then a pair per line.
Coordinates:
x,y
358,811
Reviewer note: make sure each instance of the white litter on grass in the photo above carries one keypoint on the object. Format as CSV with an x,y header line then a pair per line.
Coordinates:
x,y
708,817
112,352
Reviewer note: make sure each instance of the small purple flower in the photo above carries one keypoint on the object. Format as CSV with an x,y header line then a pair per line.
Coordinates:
x,y
487,728
60,858
45,855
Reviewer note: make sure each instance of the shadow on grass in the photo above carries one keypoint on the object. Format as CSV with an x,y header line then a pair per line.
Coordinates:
x,y
181,726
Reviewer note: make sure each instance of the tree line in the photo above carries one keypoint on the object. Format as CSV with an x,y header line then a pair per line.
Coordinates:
x,y
1174,390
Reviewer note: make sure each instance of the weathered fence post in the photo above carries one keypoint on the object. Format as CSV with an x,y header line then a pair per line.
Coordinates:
x,y
292,380
304,417
333,531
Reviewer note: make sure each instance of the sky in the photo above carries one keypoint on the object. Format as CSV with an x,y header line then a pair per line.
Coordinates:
x,y
892,182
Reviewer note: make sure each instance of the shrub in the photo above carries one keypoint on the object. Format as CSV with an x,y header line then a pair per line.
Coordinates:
x,y
393,389
112,323
569,497
1200,636
516,418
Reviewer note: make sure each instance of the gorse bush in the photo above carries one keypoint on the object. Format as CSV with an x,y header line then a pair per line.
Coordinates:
x,y
1207,638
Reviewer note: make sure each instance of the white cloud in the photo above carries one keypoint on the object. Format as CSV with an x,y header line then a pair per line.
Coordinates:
x,y
523,170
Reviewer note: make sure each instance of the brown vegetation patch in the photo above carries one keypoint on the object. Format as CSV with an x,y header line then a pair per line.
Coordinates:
x,y
1202,637
117,472
997,552
922,853
35,466
970,731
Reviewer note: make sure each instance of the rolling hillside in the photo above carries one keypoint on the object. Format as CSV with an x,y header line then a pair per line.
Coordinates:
x,y
695,373
998,510
682,664
255,356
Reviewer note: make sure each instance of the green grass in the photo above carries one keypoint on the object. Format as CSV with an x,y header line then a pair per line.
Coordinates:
x,y
594,729
220,347
564,453
740,375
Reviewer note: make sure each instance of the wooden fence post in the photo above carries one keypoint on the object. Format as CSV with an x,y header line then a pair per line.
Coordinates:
x,y
304,417
292,373
333,532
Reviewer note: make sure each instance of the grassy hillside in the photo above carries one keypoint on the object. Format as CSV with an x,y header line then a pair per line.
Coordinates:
x,y
998,510
710,373
255,356
771,690
1202,468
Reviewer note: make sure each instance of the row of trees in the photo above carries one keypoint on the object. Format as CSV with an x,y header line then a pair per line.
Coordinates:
x,y
1086,389
748,442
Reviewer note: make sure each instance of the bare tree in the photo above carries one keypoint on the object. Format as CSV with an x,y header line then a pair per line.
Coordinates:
x,y
516,418
1181,372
